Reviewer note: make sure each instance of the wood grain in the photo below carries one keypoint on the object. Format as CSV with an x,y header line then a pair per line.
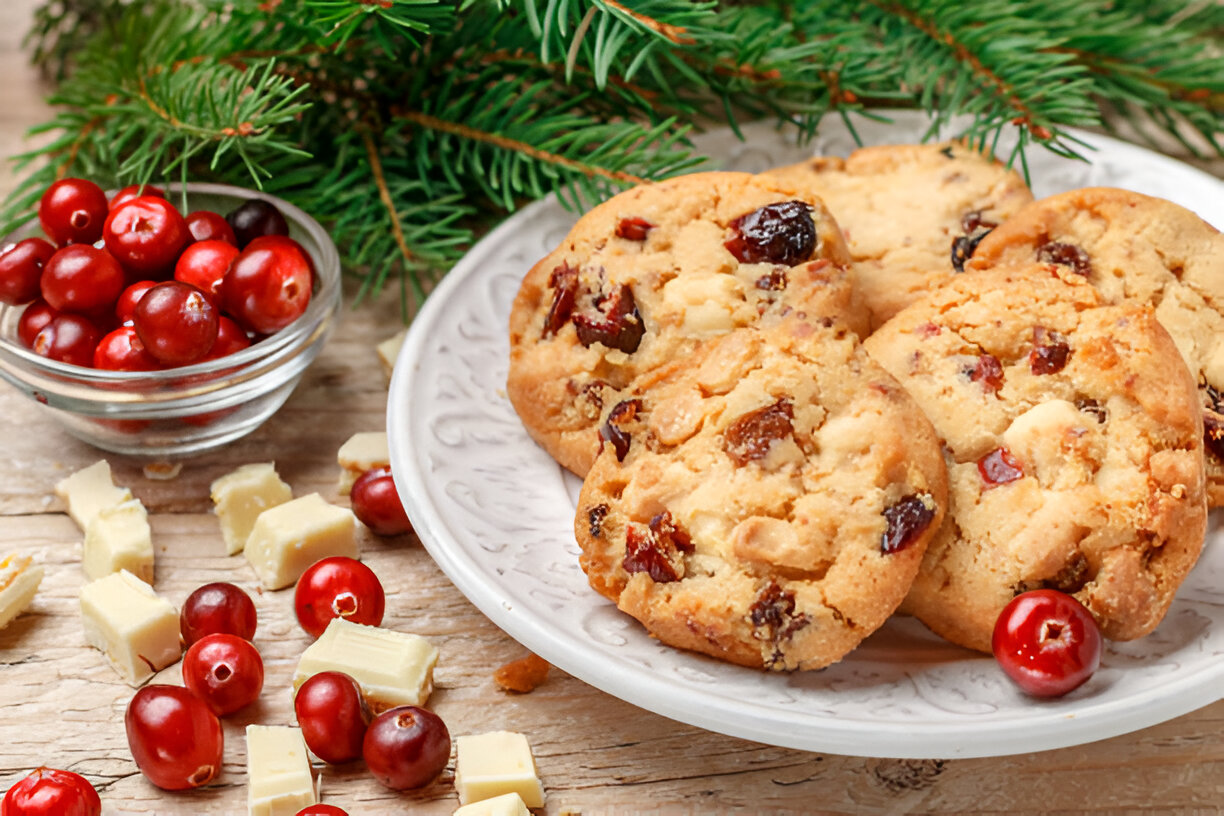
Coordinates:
x,y
63,706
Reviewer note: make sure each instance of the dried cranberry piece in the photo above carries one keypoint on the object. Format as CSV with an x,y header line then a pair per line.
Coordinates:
x,y
773,618
928,330
1091,406
773,281
670,533
988,371
633,228
1073,577
1062,254
617,323
782,233
963,247
1050,351
999,467
907,520
645,552
621,414
749,437
564,282
595,517
973,221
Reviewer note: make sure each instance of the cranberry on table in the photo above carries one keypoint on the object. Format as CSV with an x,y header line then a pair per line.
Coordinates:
x,y
73,211
176,322
21,268
1047,642
82,278
206,225
217,608
121,350
406,747
33,318
68,338
377,505
256,218
338,587
230,339
146,235
224,671
51,792
174,737
125,306
268,285
135,191
333,716
321,810
203,265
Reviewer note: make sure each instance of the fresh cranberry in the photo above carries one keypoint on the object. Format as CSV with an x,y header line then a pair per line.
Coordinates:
x,y
338,587
146,235
333,716
206,225
81,278
321,810
51,792
33,318
406,747
72,211
21,268
268,285
1047,642
203,265
121,350
377,505
217,608
135,191
225,671
125,306
230,339
174,737
256,218
176,322
68,338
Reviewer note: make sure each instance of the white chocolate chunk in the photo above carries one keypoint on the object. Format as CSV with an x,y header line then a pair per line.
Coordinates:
x,y
241,496
279,782
137,630
389,349
392,668
288,538
508,804
361,452
496,763
119,538
90,490
19,580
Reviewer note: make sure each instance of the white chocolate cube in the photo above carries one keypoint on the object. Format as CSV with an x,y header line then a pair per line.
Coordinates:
x,y
500,762
119,538
361,452
19,580
90,490
279,781
392,668
508,804
288,538
389,349
241,496
137,630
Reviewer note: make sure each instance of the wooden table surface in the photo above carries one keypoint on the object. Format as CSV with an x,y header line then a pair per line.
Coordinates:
x,y
63,706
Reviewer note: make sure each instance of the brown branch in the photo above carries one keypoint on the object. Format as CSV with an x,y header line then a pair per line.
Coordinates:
x,y
384,195
1103,64
454,128
677,34
75,148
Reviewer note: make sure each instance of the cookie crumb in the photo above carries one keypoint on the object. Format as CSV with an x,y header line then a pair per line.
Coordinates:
x,y
1178,491
522,676
162,471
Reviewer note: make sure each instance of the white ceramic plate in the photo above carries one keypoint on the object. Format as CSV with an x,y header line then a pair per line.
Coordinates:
x,y
496,513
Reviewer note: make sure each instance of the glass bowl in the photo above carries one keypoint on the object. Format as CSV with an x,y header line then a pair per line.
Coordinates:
x,y
185,410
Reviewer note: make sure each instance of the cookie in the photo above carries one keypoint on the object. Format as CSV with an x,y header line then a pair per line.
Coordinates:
x,y
767,502
1137,248
1073,442
911,213
646,277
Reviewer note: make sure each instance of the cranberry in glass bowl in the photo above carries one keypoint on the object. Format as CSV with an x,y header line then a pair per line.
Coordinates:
x,y
175,411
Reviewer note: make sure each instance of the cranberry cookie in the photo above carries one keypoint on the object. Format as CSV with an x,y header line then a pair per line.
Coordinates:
x,y
768,502
1074,446
644,278
911,214
1133,247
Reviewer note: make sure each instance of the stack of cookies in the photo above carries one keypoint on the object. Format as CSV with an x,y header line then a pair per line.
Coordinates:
x,y
803,400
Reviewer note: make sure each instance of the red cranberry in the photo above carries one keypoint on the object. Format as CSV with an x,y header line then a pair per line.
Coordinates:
x,y
21,269
174,737
338,587
999,467
225,671
782,233
81,278
406,747
146,235
203,265
51,792
32,320
377,505
230,339
268,285
125,307
121,350
634,228
256,218
176,322
333,716
1047,642
321,809
217,608
68,338
206,225
72,211
135,191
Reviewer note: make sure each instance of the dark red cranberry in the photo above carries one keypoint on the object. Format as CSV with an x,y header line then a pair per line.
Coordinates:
x,y
68,338
999,467
135,191
80,278
750,437
121,350
125,307
564,283
782,233
987,371
146,235
72,211
268,284
230,339
204,264
21,268
773,618
206,225
615,322
1068,255
33,318
176,322
254,219
1050,351
613,430
906,521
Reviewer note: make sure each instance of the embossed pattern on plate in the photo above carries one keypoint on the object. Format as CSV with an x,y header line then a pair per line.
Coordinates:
x,y
496,513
